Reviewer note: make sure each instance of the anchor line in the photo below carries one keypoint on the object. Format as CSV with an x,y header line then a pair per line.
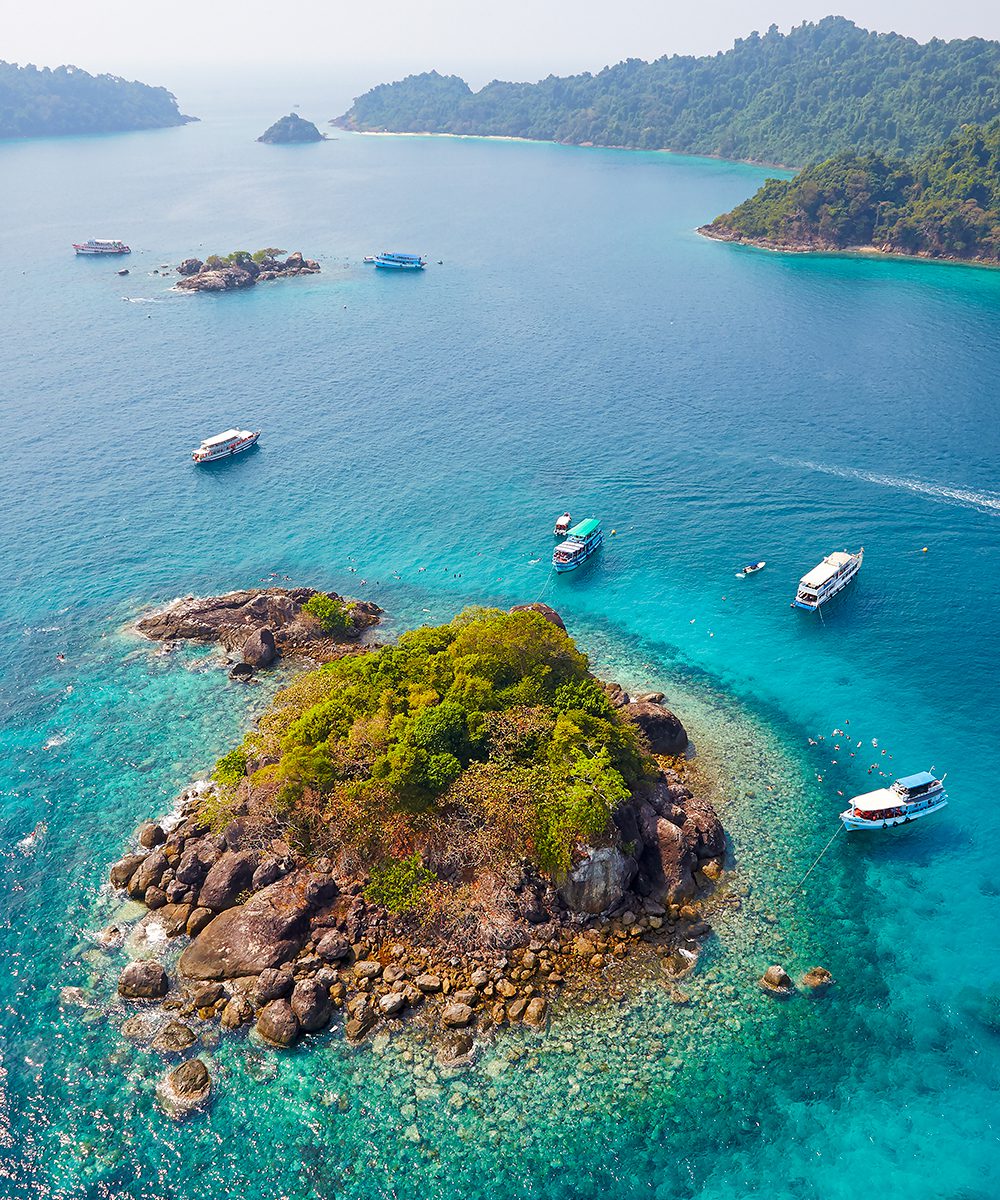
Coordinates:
x,y
840,826
548,580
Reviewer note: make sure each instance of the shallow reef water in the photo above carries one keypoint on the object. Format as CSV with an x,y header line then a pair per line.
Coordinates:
x,y
579,347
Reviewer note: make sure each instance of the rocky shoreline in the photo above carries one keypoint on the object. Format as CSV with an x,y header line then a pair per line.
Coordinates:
x,y
241,270
719,233
259,626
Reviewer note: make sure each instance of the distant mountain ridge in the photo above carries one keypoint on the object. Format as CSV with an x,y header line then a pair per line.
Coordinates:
x,y
42,102
777,98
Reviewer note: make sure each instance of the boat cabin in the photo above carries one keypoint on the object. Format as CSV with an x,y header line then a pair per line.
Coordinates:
x,y
916,787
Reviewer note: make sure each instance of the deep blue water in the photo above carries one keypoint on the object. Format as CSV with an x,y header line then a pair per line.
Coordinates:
x,y
579,346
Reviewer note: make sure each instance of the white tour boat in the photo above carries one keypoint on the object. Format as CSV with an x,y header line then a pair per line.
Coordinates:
x,y
562,525
823,582
908,799
224,445
101,246
581,542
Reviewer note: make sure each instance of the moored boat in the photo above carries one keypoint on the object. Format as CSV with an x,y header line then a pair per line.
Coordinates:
x,y
393,261
824,581
753,568
581,542
101,246
225,445
562,525
907,799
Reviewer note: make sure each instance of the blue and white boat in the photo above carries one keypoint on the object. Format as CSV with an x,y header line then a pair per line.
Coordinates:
x,y
391,261
581,542
823,582
908,799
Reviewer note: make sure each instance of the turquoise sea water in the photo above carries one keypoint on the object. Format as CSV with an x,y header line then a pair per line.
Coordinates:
x,y
579,346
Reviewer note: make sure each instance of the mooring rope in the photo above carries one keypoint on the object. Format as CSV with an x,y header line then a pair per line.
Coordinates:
x,y
840,826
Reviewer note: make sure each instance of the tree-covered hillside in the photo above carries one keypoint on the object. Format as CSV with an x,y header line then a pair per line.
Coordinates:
x,y
775,98
42,102
945,202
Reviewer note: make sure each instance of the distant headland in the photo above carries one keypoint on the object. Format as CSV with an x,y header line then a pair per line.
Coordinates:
x,y
794,98
290,130
945,203
462,825
41,102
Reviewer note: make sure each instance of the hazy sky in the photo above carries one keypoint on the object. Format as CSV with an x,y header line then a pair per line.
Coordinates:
x,y
513,39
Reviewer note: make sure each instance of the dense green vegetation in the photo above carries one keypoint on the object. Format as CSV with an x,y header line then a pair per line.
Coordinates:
x,y
38,103
779,98
945,202
473,745
334,615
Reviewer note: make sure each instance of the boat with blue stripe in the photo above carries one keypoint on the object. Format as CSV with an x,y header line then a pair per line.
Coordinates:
x,y
395,261
581,542
908,799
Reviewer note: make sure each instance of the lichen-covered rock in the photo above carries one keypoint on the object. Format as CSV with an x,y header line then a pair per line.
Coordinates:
x,y
143,980
273,984
237,1012
333,946
599,881
266,931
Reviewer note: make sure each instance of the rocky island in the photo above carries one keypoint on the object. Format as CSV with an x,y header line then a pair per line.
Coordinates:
x,y
241,269
290,130
459,827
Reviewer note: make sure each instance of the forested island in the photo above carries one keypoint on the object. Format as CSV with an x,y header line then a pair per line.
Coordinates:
x,y
40,102
944,202
458,826
778,98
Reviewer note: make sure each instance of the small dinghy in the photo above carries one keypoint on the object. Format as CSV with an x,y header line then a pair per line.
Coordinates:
x,y
562,525
751,569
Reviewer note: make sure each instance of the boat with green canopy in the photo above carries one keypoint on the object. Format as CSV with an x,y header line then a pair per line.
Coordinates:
x,y
581,542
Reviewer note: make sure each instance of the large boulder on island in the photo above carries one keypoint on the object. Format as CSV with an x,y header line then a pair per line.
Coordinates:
x,y
543,610
266,931
599,881
289,130
259,650
664,732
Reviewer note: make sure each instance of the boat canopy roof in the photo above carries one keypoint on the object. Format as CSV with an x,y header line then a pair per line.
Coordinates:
x,y
922,779
876,801
585,528
398,254
826,570
226,437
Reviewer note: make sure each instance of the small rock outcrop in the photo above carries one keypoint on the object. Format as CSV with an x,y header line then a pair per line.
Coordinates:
x,y
290,130
277,1023
548,613
174,1038
816,979
258,624
777,981
185,1088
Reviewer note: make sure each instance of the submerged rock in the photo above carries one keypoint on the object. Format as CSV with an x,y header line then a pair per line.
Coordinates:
x,y
174,1037
816,979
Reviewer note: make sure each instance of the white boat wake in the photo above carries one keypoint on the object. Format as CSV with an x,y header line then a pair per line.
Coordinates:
x,y
984,501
